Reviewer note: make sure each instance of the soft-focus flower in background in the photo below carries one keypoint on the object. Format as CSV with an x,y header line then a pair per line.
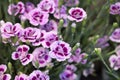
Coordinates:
x,y
89,71
50,26
78,57
114,62
61,13
102,42
68,73
115,8
115,36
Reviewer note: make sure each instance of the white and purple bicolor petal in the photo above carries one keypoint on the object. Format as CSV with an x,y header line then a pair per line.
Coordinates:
x,y
60,50
77,14
37,17
78,57
19,8
50,26
3,68
68,75
21,77
47,6
71,67
5,77
41,57
115,37
115,8
117,50
30,34
27,59
114,62
9,30
39,40
29,6
49,38
38,75
21,53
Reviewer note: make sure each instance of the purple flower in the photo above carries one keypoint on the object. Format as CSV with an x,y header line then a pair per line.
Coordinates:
x,y
21,77
68,75
102,42
30,34
115,8
9,30
47,6
16,9
88,71
71,3
115,37
40,39
77,14
61,13
56,3
49,38
37,17
38,75
71,67
117,50
40,57
78,58
4,76
50,26
28,7
60,50
21,53
114,62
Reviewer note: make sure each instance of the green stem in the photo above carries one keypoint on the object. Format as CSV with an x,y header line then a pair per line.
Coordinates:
x,y
98,52
111,52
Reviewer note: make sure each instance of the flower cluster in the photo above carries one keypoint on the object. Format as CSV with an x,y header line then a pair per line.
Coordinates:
x,y
40,43
35,75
